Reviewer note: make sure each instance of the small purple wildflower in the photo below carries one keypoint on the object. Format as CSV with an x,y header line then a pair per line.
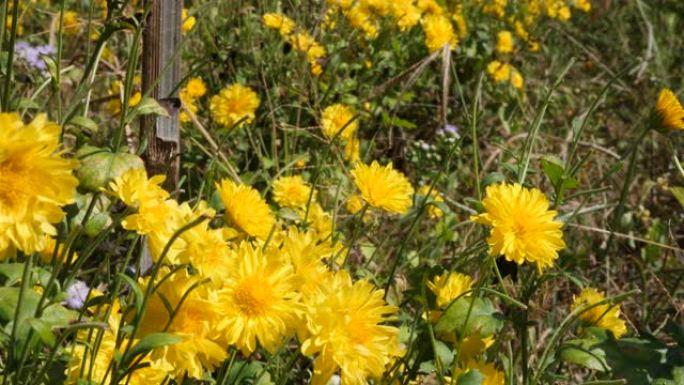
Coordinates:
x,y
33,55
77,294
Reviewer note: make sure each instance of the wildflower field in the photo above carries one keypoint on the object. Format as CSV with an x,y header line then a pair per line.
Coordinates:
x,y
271,192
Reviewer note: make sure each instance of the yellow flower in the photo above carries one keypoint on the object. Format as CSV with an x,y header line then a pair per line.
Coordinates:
x,y
234,104
83,366
49,251
383,187
505,42
188,21
523,227
354,203
434,212
259,301
670,110
430,7
449,286
320,221
472,346
346,331
195,320
438,32
35,182
500,72
605,316
291,191
336,118
246,209
460,22
72,26
352,149
359,17
517,79
305,251
135,189
584,5
280,22
195,88
405,13
492,376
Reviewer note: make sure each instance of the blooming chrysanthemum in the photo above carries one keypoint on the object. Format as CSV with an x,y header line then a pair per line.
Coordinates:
x,y
291,191
406,14
670,110
184,307
246,209
234,104
134,188
434,212
499,71
339,117
473,345
279,22
517,79
305,251
71,23
35,182
354,203
492,376
259,300
346,331
449,286
504,42
605,316
383,187
438,32
523,227
195,88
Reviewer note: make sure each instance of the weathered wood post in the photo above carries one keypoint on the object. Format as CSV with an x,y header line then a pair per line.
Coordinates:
x,y
161,40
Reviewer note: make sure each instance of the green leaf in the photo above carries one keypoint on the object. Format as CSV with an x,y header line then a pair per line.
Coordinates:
x,y
43,331
584,352
678,193
471,377
147,106
469,315
135,288
492,178
99,166
84,122
14,272
150,342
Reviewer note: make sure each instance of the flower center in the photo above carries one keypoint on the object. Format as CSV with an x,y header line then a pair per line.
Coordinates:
x,y
13,185
252,297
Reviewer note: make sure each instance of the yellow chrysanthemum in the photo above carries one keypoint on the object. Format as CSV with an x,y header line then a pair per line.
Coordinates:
x,y
291,191
438,32
35,182
584,5
434,212
339,117
346,332
449,286
305,251
517,79
49,251
472,346
504,42
606,316
188,21
234,104
279,22
195,320
195,88
500,72
406,14
246,209
523,227
134,188
352,149
383,187
83,366
258,301
72,25
670,110
354,203
492,376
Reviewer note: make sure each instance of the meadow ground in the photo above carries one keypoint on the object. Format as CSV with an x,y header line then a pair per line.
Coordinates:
x,y
344,191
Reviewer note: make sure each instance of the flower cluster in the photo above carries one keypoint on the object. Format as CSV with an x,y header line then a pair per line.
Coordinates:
x,y
299,39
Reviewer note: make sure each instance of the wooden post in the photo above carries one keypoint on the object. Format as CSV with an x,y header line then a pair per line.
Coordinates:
x,y
161,39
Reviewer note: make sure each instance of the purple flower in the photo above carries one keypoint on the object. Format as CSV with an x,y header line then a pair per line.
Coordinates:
x,y
34,55
452,129
77,294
